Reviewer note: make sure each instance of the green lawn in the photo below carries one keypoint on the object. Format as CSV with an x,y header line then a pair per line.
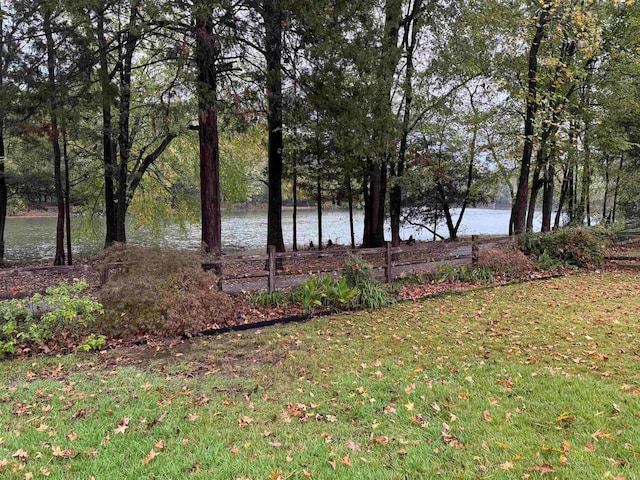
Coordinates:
x,y
525,381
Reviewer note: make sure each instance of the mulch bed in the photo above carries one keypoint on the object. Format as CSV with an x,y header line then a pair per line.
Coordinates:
x,y
24,280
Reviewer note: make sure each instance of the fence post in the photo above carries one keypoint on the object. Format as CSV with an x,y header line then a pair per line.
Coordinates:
x,y
271,250
389,263
475,250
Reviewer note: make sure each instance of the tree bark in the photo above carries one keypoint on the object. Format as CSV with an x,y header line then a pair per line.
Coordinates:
x,y
520,206
124,140
207,53
536,184
108,154
67,197
547,196
607,166
395,196
54,136
374,204
351,229
617,189
377,165
3,183
295,204
272,15
564,190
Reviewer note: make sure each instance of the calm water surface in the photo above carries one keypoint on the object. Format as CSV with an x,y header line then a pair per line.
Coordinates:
x,y
33,238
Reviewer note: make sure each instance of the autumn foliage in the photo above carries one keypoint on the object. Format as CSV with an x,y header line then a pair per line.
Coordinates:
x,y
160,292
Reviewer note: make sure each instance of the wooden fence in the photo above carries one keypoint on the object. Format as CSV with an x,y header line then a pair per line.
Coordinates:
x,y
391,267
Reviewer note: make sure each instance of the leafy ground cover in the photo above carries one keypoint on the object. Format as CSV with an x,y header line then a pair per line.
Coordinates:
x,y
536,380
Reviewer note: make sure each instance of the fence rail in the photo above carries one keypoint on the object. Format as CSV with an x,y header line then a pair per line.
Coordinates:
x,y
422,257
391,267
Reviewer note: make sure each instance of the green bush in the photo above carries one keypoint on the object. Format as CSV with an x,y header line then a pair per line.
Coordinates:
x,y
37,320
582,247
359,274
546,262
316,292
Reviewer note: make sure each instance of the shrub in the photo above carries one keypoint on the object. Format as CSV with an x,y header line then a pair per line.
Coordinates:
x,y
582,247
59,315
324,291
507,260
160,292
359,274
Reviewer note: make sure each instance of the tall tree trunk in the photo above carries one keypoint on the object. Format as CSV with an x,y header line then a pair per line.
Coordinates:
x,y
605,199
536,184
319,208
67,196
564,190
520,206
395,196
108,153
377,171
351,229
374,204
124,139
272,15
295,204
3,182
453,231
207,54
617,189
584,209
547,196
54,137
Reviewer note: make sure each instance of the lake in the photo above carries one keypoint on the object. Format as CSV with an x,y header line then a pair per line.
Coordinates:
x,y
29,239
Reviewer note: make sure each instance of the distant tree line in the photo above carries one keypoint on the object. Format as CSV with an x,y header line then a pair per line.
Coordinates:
x,y
413,109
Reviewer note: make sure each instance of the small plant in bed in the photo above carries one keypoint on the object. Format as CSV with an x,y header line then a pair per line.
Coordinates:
x,y
60,314
323,291
269,299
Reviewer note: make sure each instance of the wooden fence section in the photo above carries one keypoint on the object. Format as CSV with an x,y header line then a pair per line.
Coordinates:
x,y
291,268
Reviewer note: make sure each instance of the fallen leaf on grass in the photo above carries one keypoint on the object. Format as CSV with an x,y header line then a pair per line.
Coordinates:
x,y
351,445
244,421
21,455
346,460
506,465
544,468
58,452
152,454
486,416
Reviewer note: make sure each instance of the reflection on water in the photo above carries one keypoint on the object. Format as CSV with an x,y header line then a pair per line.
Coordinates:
x,y
33,238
